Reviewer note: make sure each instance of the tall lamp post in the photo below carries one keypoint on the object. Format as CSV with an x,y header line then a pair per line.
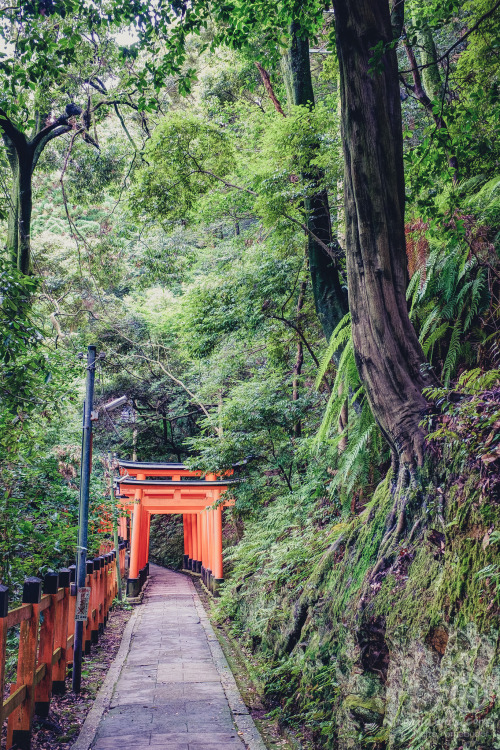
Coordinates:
x,y
83,518
114,506
82,592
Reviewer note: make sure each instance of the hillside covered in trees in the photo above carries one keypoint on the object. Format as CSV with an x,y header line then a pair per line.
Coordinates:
x,y
280,222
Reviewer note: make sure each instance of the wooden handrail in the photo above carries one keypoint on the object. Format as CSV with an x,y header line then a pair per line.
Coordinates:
x,y
18,615
40,673
45,650
56,655
45,603
13,701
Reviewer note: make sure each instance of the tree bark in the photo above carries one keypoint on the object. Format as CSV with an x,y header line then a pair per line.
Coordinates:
x,y
19,221
329,296
389,357
299,360
269,88
13,220
25,208
296,69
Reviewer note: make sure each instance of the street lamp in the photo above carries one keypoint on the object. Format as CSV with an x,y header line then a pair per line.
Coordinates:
x,y
82,592
115,403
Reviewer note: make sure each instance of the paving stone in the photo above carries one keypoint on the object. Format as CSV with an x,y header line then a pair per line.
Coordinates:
x,y
218,739
144,698
172,691
124,728
123,742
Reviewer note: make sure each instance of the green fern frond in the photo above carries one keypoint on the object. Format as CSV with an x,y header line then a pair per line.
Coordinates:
x,y
435,335
354,462
448,281
462,293
478,288
345,382
453,351
414,284
475,381
428,324
486,202
449,310
338,339
331,415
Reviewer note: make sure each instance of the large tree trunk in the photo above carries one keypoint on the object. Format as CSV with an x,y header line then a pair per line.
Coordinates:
x,y
19,221
23,155
25,208
13,221
389,357
299,360
329,296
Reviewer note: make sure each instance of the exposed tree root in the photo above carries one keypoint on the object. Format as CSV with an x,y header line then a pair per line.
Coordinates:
x,y
407,519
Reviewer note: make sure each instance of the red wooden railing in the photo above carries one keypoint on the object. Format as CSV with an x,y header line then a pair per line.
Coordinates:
x,y
46,643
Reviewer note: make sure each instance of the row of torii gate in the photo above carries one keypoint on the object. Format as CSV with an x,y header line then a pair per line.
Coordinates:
x,y
171,488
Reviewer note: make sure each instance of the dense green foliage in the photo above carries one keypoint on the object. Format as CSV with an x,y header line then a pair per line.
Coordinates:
x,y
179,247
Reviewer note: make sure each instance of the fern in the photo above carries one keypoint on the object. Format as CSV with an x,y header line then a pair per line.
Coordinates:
x,y
434,336
453,351
486,202
331,415
365,444
413,291
355,460
490,571
478,287
428,323
338,339
445,307
346,381
475,381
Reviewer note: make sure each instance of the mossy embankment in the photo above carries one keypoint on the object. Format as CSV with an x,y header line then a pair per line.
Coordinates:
x,y
405,658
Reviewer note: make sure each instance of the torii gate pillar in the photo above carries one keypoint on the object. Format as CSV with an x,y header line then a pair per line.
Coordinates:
x,y
134,583
217,571
194,533
192,537
186,545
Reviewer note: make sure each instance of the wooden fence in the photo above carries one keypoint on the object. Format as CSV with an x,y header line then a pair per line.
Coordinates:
x,y
46,623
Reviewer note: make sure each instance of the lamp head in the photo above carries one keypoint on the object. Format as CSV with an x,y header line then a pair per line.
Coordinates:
x,y
115,403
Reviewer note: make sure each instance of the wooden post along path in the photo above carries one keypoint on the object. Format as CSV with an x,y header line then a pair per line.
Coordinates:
x,y
45,650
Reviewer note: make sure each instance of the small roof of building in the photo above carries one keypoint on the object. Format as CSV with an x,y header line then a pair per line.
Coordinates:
x,y
150,465
170,483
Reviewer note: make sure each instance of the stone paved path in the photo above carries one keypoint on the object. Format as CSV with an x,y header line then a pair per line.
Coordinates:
x,y
169,693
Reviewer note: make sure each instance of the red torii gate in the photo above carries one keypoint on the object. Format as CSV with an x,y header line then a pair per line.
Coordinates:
x,y
172,488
